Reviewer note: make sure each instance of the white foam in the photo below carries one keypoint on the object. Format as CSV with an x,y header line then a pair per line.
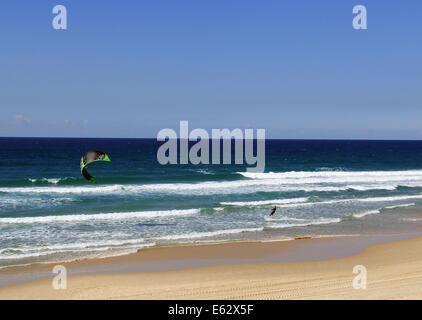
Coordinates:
x,y
49,180
373,187
338,176
101,216
400,206
392,198
74,246
282,181
366,213
53,180
301,202
204,171
196,235
287,205
33,201
89,247
264,202
305,224
284,218
64,190
226,187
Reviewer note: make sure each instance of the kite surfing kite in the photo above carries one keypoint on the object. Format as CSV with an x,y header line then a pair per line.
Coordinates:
x,y
89,157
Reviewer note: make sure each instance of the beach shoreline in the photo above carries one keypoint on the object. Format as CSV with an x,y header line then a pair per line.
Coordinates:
x,y
305,261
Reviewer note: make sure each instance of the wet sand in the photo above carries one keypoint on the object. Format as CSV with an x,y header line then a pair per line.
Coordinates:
x,y
316,268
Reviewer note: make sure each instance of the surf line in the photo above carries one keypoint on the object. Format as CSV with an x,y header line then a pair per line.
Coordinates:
x,y
199,153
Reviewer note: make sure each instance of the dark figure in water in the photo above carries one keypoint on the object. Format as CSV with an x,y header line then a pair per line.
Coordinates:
x,y
273,210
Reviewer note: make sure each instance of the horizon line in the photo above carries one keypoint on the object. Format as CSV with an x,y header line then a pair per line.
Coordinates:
x,y
143,138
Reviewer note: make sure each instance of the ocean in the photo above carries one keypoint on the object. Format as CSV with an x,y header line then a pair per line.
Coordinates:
x,y
49,212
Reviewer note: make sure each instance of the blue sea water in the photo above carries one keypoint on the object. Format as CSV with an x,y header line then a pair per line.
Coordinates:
x,y
49,212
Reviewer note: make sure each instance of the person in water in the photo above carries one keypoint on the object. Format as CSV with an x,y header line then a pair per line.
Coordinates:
x,y
273,210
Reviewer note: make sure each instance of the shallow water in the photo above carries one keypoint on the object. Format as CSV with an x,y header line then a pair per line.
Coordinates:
x,y
48,212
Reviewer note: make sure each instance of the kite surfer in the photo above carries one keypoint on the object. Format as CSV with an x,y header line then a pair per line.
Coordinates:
x,y
89,157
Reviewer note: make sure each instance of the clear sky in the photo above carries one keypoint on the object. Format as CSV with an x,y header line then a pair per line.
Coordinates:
x,y
130,68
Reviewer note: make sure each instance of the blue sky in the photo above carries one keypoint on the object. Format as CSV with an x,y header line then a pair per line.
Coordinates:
x,y
130,68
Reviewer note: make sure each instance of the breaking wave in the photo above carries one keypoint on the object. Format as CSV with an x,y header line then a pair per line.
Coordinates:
x,y
101,216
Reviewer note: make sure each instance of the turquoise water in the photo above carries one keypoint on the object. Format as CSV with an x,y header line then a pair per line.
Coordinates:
x,y
48,212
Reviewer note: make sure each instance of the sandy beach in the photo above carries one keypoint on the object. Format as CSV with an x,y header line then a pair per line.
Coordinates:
x,y
210,150
394,271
